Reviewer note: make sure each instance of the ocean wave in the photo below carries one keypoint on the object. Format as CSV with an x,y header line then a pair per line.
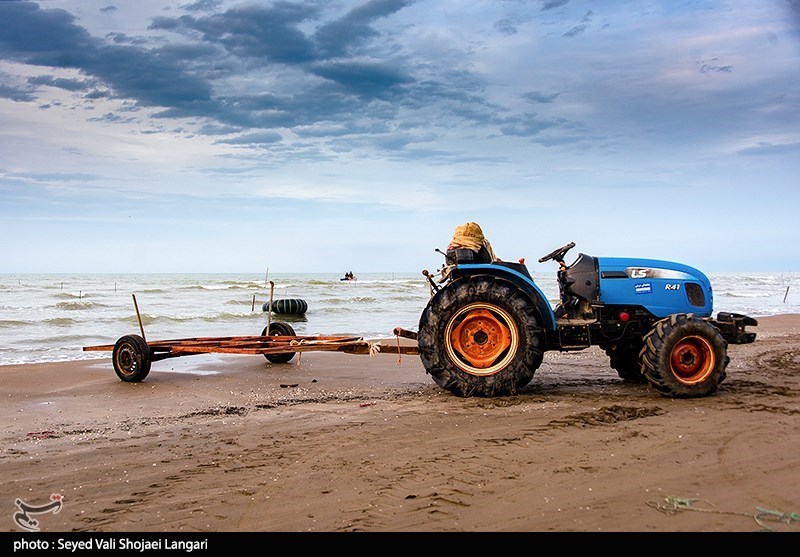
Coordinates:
x,y
242,302
752,295
215,287
59,321
79,305
70,295
210,318
14,323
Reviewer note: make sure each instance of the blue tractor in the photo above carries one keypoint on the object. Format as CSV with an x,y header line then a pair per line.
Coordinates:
x,y
487,325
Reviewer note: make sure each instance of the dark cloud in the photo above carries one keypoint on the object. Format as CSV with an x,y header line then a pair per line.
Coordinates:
x,y
61,83
335,38
553,4
265,33
42,37
113,118
51,38
793,9
539,97
108,9
714,67
580,28
15,93
362,78
510,25
202,5
262,68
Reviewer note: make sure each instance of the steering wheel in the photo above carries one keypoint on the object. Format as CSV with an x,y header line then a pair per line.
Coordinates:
x,y
558,254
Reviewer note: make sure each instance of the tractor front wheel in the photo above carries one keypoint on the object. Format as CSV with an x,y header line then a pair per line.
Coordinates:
x,y
684,356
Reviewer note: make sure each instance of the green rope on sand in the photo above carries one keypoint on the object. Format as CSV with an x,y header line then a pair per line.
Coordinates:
x,y
777,516
675,504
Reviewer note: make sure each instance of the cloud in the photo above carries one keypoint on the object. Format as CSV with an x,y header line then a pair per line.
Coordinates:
x,y
764,148
253,139
14,93
438,112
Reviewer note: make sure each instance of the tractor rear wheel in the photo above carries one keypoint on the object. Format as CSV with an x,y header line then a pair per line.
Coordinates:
x,y
684,356
624,358
480,336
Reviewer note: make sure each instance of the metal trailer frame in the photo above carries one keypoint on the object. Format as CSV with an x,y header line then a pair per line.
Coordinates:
x,y
132,355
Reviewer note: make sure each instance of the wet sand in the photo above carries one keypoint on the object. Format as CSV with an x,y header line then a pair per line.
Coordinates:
x,y
332,442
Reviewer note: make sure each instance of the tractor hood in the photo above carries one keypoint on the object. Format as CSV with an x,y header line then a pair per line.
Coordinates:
x,y
663,287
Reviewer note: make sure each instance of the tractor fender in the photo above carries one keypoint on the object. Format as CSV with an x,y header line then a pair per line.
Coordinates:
x,y
525,283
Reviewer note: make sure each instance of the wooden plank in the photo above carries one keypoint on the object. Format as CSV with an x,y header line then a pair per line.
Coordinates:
x,y
268,345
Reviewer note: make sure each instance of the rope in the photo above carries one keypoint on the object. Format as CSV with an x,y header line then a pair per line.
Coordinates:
x,y
374,348
399,353
298,343
673,505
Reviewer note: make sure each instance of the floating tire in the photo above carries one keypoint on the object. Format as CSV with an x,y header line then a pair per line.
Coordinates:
x,y
131,358
288,306
279,328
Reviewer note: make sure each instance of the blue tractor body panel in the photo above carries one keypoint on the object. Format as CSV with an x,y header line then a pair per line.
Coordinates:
x,y
661,287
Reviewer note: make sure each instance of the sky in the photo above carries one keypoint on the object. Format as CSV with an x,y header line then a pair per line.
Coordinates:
x,y
327,136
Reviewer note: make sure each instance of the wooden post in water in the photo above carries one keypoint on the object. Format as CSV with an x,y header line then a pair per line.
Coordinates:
x,y
269,307
139,317
254,303
787,293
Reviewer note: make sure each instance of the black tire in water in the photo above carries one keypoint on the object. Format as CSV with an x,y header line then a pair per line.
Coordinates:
x,y
131,358
684,356
480,336
279,328
624,358
289,306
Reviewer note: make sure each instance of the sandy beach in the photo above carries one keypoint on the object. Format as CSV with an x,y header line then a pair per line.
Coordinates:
x,y
333,442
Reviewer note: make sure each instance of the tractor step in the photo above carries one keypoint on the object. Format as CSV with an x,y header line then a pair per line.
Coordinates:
x,y
573,334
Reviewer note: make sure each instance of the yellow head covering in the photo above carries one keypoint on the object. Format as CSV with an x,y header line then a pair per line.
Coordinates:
x,y
468,236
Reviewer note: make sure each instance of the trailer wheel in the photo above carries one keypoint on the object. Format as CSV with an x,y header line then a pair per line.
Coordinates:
x,y
279,328
624,358
684,356
480,336
131,358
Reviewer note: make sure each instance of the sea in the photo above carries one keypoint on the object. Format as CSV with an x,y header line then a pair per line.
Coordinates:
x,y
51,317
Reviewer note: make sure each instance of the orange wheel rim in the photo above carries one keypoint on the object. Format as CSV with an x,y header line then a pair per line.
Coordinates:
x,y
481,339
692,359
